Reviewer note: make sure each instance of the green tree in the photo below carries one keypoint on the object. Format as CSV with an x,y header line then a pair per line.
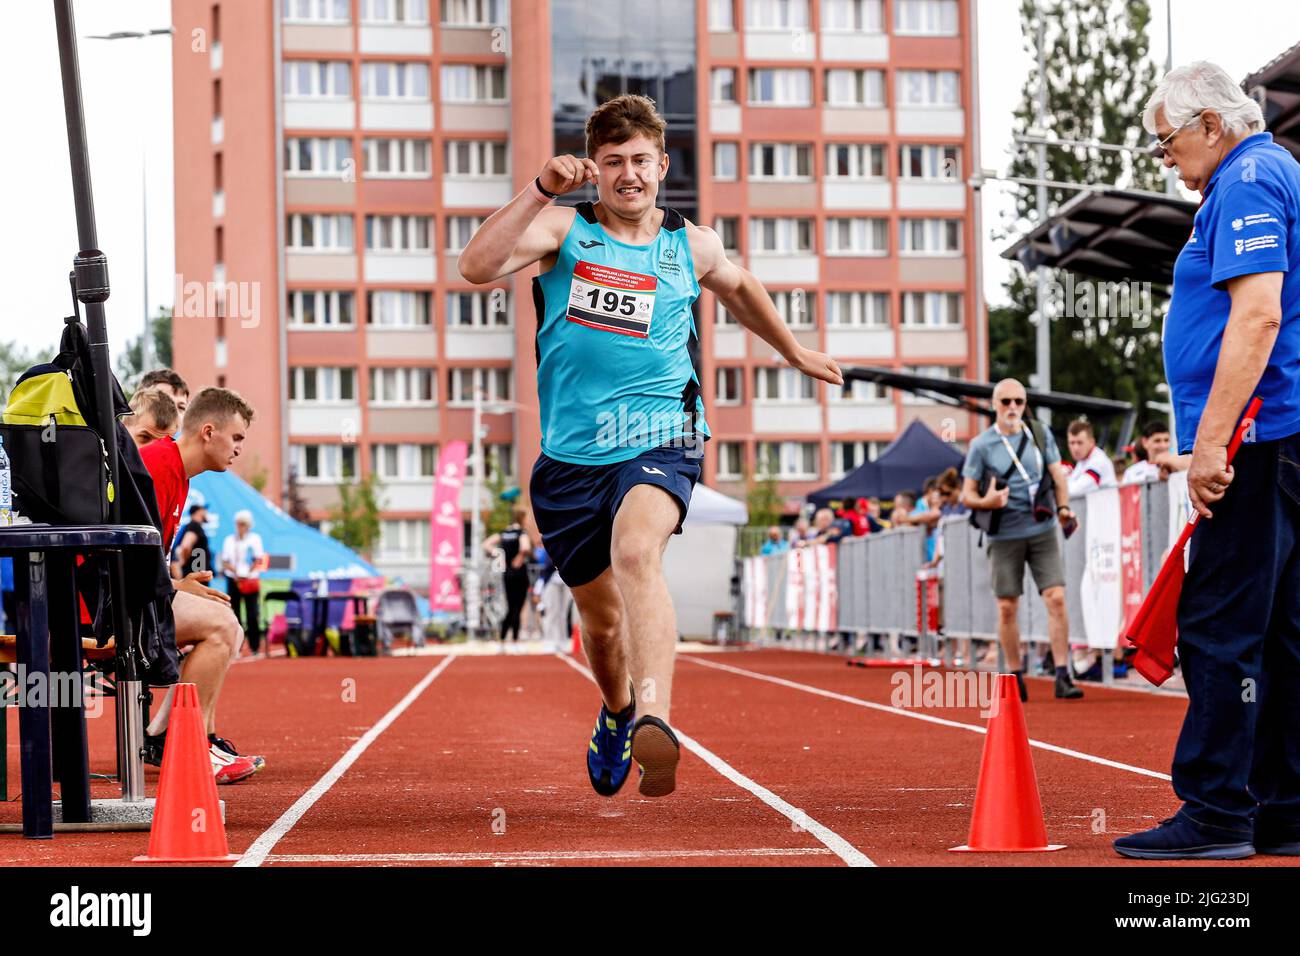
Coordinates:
x,y
14,360
766,505
355,519
1098,78
130,360
499,518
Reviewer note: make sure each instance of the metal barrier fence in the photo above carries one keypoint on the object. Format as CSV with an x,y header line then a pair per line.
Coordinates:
x,y
875,580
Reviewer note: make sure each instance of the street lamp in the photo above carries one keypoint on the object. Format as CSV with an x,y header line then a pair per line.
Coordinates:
x,y
145,340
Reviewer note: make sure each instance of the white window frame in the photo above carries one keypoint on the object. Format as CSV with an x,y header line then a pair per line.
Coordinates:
x,y
414,308
797,307
863,16
407,459
852,309
460,230
724,472
481,152
718,81
932,371
498,458
723,318
472,83
870,451
413,540
401,154
406,381
485,308
730,385
937,310
327,381
776,16
721,230
866,236
933,85
407,235
329,303
395,12
934,162
317,11
792,459
330,461
791,386
722,16
784,162
930,237
865,86
497,13
926,18
862,158
329,156
336,225
497,383
859,392
726,160
322,80
790,236
401,81
785,89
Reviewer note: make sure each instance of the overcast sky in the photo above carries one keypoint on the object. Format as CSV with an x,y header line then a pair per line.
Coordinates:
x,y
127,90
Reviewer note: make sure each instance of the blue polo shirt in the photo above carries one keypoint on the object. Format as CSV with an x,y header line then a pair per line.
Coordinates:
x,y
1248,222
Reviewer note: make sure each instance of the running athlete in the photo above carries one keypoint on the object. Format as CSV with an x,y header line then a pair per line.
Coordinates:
x,y
621,414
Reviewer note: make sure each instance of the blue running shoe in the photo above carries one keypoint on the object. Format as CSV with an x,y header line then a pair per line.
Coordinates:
x,y
609,754
1178,838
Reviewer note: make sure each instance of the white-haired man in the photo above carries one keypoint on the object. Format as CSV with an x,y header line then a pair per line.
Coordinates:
x,y
1233,331
241,562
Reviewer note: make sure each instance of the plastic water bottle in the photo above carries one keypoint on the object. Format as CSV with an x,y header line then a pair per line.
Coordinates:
x,y
6,489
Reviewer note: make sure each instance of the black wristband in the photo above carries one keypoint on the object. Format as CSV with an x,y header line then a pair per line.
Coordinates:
x,y
543,190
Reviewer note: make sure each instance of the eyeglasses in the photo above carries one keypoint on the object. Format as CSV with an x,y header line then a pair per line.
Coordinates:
x,y
1012,401
1160,147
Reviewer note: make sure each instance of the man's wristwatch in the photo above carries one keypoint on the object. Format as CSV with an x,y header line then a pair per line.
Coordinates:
x,y
1061,508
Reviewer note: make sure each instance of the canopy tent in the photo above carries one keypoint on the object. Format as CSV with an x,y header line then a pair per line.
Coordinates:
x,y
912,457
296,550
713,507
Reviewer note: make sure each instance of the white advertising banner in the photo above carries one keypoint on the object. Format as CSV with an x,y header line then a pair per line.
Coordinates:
x,y
1101,589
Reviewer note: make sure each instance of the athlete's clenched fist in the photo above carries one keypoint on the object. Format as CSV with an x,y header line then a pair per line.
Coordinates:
x,y
564,174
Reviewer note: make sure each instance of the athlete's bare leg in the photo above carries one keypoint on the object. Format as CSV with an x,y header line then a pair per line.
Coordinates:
x,y
213,629
604,638
645,521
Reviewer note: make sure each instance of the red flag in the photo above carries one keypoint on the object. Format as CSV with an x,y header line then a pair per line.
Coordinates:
x,y
1154,630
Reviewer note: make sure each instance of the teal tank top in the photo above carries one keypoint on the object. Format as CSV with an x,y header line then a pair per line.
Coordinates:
x,y
618,357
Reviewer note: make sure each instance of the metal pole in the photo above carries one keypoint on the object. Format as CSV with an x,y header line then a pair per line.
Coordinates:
x,y
146,342
1171,177
1043,379
474,603
91,267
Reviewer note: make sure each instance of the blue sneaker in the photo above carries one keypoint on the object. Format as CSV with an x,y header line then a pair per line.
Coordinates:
x,y
1274,840
609,754
1179,839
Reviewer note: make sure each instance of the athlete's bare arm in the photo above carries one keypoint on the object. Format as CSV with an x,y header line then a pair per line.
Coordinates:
x,y
743,295
527,228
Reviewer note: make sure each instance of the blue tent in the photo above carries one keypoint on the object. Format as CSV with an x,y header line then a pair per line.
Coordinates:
x,y
297,550
912,457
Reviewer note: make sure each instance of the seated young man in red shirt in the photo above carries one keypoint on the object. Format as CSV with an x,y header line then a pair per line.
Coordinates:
x,y
211,436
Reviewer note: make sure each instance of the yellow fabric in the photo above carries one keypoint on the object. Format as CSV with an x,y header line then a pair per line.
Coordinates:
x,y
33,402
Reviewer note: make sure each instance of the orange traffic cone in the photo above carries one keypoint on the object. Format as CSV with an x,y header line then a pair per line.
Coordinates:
x,y
1008,815
187,825
575,650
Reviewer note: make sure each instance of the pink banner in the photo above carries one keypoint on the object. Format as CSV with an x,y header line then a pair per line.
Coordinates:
x,y
446,529
1130,551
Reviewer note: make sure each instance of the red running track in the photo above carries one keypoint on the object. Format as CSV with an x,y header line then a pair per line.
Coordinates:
x,y
793,759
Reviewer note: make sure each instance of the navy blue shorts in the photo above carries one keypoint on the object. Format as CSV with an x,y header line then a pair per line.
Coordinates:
x,y
575,504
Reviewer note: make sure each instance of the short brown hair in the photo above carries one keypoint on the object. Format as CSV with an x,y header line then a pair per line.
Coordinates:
x,y
157,404
1079,426
620,119
216,405
165,376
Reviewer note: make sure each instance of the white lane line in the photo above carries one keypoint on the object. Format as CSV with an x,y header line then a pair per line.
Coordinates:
x,y
899,712
841,847
543,856
256,854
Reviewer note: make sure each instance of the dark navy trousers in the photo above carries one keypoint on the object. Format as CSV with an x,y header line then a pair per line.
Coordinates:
x,y
1237,763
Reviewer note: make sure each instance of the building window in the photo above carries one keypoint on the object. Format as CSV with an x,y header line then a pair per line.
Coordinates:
x,y
857,309
786,162
731,461
409,462
395,81
723,318
857,237
853,16
497,460
730,390
846,456
728,230
317,155
925,17
325,463
856,390
403,539
768,87
398,310
322,386
474,13
476,158
776,14
787,460
398,233
930,162
401,386
860,88
722,85
725,161
494,383
318,79
315,11
783,385
929,237
932,310
946,372
927,88
320,232
478,310
856,161
320,309
796,308
396,158
722,16
460,230
395,11
467,83
781,236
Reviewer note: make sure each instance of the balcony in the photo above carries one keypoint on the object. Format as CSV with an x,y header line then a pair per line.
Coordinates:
x,y
394,114
399,38
490,116
860,343
844,417
855,46
419,267
929,121
489,192
776,267
489,343
946,194
849,194
779,417
794,44
324,418
307,266
401,343
315,37
319,112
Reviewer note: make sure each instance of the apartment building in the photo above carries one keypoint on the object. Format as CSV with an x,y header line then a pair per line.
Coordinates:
x,y
333,157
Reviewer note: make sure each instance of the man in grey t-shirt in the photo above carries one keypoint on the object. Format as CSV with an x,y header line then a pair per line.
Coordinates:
x,y
1008,449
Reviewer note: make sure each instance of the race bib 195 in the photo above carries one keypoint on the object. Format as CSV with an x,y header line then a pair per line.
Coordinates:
x,y
602,297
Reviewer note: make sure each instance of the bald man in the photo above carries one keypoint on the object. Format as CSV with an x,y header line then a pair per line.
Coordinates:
x,y
1020,460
